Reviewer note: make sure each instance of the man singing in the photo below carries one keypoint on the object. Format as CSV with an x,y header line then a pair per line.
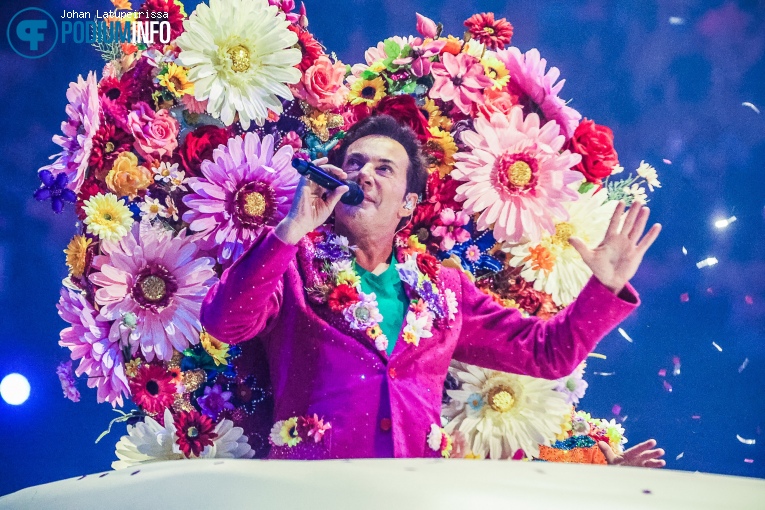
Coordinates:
x,y
359,332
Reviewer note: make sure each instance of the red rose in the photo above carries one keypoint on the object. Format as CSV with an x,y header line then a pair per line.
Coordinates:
x,y
428,265
404,109
342,297
596,145
198,146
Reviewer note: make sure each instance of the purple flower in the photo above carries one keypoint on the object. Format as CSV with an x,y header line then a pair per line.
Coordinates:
x,y
214,401
68,382
55,190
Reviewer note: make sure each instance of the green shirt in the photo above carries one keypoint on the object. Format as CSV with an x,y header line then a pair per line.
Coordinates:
x,y
391,299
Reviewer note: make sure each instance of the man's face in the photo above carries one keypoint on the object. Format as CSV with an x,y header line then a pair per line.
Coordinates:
x,y
379,165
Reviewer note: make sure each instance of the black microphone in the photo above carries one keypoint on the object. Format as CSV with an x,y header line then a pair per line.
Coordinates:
x,y
354,195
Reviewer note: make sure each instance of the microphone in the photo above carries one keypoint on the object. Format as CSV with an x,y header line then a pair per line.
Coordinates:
x,y
354,195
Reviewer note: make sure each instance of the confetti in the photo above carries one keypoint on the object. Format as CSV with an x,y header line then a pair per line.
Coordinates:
x,y
685,252
743,365
684,298
709,261
717,346
667,162
676,363
625,335
696,417
597,355
604,373
749,461
667,386
616,409
676,20
750,105
680,456
663,372
723,223
746,441
748,300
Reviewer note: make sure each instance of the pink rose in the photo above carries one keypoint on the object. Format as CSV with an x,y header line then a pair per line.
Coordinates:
x,y
497,101
322,84
155,133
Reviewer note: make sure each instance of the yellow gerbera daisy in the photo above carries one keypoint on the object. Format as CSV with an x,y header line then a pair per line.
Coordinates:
x,y
289,432
496,71
176,81
442,148
368,92
107,217
377,67
348,277
435,116
217,350
76,254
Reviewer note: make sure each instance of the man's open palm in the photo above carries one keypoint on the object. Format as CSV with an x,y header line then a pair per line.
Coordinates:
x,y
616,260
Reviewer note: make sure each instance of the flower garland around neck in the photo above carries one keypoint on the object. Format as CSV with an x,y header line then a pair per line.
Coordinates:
x,y
341,288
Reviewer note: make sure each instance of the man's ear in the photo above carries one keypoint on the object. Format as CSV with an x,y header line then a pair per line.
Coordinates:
x,y
407,208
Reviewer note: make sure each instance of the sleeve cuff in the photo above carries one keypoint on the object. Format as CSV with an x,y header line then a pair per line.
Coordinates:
x,y
598,299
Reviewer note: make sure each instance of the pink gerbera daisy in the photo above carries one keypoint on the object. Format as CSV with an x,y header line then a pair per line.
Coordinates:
x,y
517,175
161,280
245,187
492,33
461,79
153,389
531,82
88,339
78,131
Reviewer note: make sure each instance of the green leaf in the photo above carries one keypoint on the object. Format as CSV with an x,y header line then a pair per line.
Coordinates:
x,y
585,187
409,87
368,75
392,49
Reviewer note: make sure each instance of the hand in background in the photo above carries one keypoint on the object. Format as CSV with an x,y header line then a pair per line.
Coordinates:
x,y
640,455
618,257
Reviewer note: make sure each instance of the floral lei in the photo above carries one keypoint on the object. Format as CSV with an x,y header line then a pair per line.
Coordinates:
x,y
338,285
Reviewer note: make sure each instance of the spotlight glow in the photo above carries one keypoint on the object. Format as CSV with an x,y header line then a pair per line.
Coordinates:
x,y
14,388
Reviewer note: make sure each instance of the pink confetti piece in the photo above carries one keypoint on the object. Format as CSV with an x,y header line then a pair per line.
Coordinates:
x,y
696,417
710,291
684,297
666,161
667,386
663,372
616,410
743,365
749,461
748,300
676,363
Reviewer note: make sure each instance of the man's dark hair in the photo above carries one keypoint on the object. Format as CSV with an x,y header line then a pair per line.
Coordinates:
x,y
385,125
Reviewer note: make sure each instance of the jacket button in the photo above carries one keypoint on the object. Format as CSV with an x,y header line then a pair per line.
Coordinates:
x,y
392,372
385,424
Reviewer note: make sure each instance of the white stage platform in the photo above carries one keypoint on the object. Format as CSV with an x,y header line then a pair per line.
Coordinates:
x,y
390,484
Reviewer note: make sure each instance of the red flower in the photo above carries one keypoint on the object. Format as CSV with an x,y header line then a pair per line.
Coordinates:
x,y
596,145
194,431
152,388
428,265
172,9
108,142
404,109
90,187
494,34
198,146
309,46
342,297
441,191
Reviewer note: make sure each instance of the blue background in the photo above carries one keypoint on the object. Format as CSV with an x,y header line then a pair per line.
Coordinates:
x,y
669,91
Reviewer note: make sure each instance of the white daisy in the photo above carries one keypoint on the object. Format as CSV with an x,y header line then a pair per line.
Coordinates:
x,y
501,413
151,208
650,175
240,58
553,264
637,192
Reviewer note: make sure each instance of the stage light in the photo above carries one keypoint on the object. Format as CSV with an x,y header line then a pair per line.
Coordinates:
x,y
14,388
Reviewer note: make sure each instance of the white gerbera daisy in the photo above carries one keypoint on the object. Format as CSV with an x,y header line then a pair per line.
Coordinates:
x,y
552,263
240,58
148,441
500,413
